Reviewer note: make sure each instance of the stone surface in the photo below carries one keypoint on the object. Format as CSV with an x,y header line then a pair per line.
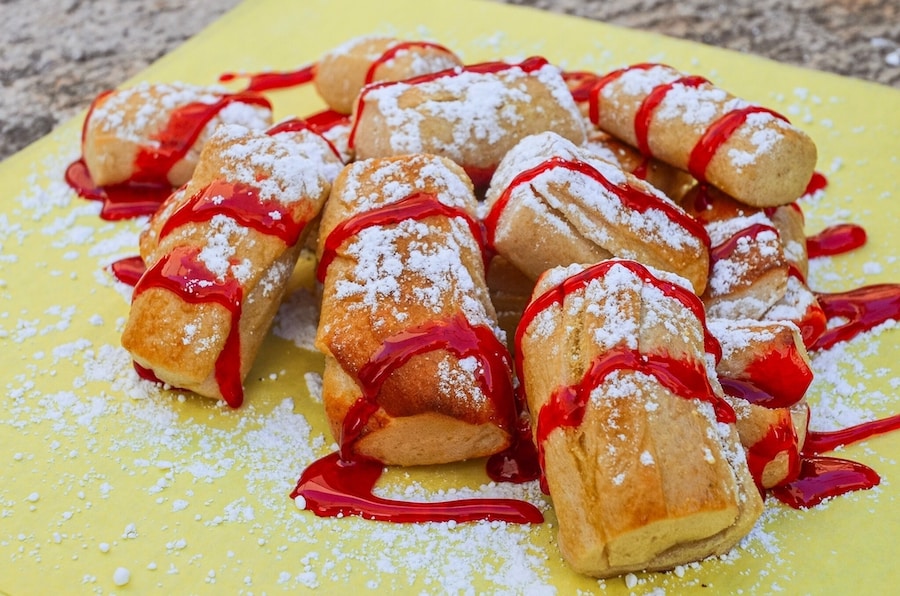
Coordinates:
x,y
57,55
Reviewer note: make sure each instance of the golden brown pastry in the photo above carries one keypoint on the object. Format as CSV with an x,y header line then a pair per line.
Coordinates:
x,y
553,203
642,460
750,152
765,372
219,253
416,371
343,71
472,115
154,132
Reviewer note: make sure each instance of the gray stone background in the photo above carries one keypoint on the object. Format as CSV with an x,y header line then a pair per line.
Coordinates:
x,y
56,55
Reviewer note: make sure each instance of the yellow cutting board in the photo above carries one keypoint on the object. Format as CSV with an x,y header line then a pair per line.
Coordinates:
x,y
99,471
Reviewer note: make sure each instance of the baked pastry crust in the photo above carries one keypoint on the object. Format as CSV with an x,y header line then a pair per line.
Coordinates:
x,y
648,479
472,115
341,73
395,278
559,204
764,161
123,123
180,337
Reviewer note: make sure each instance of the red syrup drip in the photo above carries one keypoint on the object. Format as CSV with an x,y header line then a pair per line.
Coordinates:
x,y
597,89
128,270
341,483
725,250
580,84
298,125
717,134
864,308
519,462
818,182
392,52
642,169
149,185
240,202
781,438
821,478
644,114
821,441
528,65
835,240
120,201
266,81
182,273
630,196
687,379
326,120
813,322
417,206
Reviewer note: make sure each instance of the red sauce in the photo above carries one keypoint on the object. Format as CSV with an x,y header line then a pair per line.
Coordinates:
x,y
519,462
580,84
835,240
392,52
149,185
182,273
602,82
641,170
687,379
726,249
820,441
529,65
864,308
240,202
326,120
644,114
781,438
821,478
128,270
342,483
297,125
777,380
717,134
813,322
265,81
333,487
417,206
631,197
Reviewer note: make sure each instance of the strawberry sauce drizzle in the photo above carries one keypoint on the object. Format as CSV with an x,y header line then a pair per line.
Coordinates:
x,y
240,202
780,439
182,273
417,206
631,197
128,270
266,81
298,125
836,240
821,478
820,441
864,308
342,482
392,52
725,250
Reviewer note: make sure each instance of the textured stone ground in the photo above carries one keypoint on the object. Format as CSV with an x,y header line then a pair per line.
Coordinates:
x,y
57,55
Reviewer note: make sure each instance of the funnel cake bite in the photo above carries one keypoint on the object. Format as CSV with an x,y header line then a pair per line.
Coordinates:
x,y
472,115
154,132
638,447
219,253
554,203
416,371
748,151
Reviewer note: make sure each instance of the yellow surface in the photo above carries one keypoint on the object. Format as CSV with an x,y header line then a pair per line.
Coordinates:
x,y
99,472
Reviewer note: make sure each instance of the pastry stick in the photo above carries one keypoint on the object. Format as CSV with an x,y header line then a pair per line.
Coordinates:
x,y
748,151
472,115
638,448
553,203
341,73
765,372
219,254
154,132
416,371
